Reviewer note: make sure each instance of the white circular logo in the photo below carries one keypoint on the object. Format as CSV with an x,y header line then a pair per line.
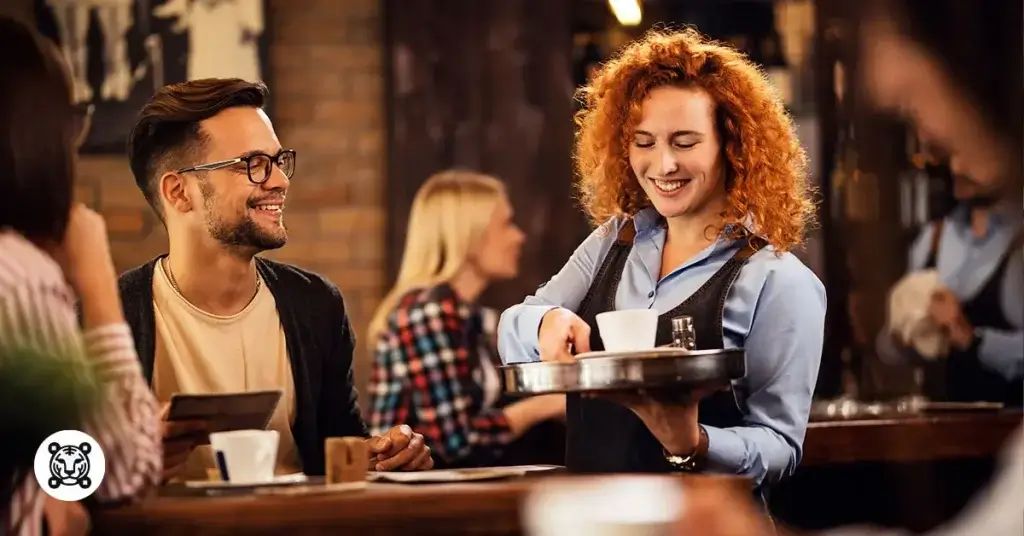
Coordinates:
x,y
70,465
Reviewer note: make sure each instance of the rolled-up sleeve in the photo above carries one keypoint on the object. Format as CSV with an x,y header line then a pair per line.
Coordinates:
x,y
783,355
1002,351
519,325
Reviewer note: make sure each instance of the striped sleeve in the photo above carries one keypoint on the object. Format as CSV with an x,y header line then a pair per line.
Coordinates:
x,y
125,423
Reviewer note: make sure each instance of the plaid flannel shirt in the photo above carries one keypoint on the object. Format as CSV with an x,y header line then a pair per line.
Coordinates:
x,y
425,372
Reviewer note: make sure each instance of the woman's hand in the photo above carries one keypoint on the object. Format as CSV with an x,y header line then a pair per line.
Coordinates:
x,y
85,258
65,518
529,412
670,416
561,332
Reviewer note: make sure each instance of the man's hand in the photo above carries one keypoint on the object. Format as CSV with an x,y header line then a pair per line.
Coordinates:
x,y
65,518
179,438
946,311
400,449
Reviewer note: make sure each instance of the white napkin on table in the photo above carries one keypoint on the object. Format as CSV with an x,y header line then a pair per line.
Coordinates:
x,y
909,320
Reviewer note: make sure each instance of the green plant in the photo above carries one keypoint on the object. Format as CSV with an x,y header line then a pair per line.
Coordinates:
x,y
40,393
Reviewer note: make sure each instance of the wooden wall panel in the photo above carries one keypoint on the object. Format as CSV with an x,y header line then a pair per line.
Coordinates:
x,y
485,86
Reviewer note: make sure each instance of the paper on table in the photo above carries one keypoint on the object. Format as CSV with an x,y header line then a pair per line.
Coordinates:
x,y
279,480
458,475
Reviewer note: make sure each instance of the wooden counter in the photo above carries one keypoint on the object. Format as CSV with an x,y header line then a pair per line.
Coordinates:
x,y
913,472
925,438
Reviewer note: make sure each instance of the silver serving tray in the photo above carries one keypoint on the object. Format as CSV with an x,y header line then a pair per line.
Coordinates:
x,y
627,370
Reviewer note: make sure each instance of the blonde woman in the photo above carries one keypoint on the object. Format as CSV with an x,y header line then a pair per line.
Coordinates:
x,y
433,366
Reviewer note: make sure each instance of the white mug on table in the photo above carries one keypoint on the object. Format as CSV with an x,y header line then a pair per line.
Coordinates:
x,y
245,456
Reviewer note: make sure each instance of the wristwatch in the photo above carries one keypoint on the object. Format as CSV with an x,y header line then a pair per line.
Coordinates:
x,y
691,462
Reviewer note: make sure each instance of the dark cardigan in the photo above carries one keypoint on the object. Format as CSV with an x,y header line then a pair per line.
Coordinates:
x,y
320,346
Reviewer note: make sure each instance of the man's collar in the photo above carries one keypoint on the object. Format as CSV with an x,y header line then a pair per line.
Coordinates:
x,y
1002,213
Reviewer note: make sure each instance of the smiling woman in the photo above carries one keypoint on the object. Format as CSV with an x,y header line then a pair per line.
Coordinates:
x,y
765,173
686,154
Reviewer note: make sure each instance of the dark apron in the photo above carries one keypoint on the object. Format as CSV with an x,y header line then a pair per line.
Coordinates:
x,y
961,377
604,437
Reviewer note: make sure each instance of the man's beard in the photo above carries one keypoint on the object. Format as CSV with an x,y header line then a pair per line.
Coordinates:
x,y
246,234
982,201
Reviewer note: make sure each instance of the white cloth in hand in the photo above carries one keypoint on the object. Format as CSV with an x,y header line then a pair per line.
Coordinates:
x,y
909,320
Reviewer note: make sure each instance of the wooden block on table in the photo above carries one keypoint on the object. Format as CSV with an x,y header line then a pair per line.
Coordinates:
x,y
347,459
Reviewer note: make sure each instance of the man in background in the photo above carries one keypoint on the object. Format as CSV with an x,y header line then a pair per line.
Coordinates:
x,y
975,250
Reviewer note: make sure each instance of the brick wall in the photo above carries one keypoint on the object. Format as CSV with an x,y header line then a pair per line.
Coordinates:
x,y
326,80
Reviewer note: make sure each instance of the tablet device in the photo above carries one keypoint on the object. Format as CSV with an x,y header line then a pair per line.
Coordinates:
x,y
224,412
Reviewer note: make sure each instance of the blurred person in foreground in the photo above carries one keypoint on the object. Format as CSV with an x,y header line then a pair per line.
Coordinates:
x,y
434,366
54,253
692,169
961,92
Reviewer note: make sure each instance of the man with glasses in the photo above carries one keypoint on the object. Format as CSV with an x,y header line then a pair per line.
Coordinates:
x,y
211,316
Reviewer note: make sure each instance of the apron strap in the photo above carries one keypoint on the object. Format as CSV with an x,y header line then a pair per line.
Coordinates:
x,y
933,252
627,233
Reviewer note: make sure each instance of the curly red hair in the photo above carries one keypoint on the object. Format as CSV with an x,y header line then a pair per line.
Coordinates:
x,y
766,167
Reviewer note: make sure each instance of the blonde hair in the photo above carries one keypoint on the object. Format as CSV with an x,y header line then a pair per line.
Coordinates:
x,y
448,216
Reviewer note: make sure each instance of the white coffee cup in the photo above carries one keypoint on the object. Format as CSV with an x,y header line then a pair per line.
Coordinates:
x,y
629,329
604,506
245,456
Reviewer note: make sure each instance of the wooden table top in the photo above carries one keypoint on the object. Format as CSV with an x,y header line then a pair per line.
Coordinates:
x,y
494,507
922,438
380,509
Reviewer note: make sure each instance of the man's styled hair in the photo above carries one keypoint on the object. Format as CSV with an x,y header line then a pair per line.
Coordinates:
x,y
167,136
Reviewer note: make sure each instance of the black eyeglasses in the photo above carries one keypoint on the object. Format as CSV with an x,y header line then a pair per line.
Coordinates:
x,y
257,165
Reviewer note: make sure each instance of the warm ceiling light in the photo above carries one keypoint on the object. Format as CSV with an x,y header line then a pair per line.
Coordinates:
x,y
626,11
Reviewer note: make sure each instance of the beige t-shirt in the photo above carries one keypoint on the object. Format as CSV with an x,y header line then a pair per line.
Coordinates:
x,y
201,353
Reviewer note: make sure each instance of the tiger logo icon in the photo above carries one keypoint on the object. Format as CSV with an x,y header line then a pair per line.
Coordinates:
x,y
69,465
